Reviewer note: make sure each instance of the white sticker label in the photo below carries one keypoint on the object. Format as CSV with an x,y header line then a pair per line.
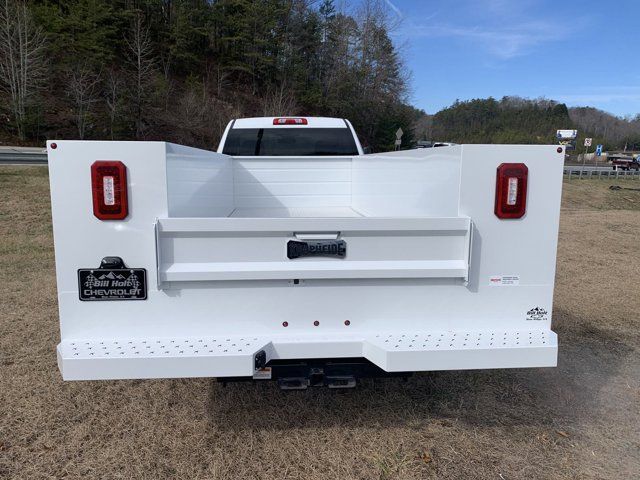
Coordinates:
x,y
109,191
262,374
504,280
512,196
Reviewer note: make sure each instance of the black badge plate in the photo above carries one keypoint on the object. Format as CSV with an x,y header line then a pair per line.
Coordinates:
x,y
96,284
316,248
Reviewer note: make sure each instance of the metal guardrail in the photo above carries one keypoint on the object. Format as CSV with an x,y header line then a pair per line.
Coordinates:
x,y
17,157
11,157
591,172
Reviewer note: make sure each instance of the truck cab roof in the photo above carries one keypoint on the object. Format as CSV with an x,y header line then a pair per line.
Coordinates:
x,y
290,136
303,122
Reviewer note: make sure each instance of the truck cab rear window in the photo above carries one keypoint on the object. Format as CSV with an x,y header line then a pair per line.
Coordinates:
x,y
282,141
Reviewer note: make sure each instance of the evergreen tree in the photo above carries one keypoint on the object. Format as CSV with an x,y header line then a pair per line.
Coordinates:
x,y
180,69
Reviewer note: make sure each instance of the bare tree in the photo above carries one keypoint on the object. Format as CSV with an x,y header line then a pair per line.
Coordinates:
x,y
218,78
165,62
82,88
22,60
279,101
190,115
141,58
113,93
599,123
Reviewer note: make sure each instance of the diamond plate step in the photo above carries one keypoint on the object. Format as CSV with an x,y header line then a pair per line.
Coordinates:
x,y
462,350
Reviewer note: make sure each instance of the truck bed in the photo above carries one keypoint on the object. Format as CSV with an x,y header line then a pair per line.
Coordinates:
x,y
432,279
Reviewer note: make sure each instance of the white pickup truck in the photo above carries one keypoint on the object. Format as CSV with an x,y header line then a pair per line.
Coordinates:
x,y
291,255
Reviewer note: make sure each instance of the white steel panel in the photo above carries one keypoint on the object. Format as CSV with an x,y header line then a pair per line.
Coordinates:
x,y
260,307
278,175
269,247
215,253
81,240
422,182
279,189
312,212
292,165
158,357
199,183
195,272
292,182
462,350
524,248
240,225
224,356
269,200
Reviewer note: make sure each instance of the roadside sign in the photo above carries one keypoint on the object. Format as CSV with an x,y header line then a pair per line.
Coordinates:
x,y
566,134
398,142
598,150
587,142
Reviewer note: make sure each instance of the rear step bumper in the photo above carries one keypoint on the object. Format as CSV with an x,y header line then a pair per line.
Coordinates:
x,y
235,356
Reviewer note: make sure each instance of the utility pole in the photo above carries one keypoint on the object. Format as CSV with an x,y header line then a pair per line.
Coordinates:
x,y
584,156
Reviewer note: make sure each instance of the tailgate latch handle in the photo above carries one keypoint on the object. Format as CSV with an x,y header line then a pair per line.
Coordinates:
x,y
316,248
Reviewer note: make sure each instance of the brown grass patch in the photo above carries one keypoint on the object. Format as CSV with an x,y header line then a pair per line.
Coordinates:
x,y
579,420
595,194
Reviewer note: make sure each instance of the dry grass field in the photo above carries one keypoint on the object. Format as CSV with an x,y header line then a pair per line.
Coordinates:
x,y
578,421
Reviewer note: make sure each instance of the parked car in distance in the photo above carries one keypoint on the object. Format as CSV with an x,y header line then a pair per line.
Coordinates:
x,y
429,144
624,162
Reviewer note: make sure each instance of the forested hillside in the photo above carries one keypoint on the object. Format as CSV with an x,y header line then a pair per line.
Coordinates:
x,y
518,120
612,131
178,70
509,120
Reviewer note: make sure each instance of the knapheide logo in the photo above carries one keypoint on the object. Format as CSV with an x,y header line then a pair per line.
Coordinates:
x,y
537,313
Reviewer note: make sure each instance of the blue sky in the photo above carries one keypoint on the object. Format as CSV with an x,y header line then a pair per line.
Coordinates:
x,y
577,52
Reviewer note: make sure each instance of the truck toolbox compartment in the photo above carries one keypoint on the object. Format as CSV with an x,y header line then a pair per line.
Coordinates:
x,y
397,259
208,249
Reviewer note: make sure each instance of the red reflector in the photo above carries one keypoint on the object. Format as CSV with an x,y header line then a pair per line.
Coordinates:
x,y
289,121
511,190
109,188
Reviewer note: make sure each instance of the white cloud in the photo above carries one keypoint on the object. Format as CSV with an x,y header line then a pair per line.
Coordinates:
x,y
504,43
600,95
504,29
395,9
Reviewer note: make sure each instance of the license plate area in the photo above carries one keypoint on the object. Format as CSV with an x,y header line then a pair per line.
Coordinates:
x,y
100,284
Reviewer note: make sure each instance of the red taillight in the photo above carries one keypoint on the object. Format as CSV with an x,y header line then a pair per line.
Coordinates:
x,y
109,188
511,190
289,121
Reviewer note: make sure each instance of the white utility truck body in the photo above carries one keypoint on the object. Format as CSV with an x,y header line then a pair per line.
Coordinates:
x,y
217,265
